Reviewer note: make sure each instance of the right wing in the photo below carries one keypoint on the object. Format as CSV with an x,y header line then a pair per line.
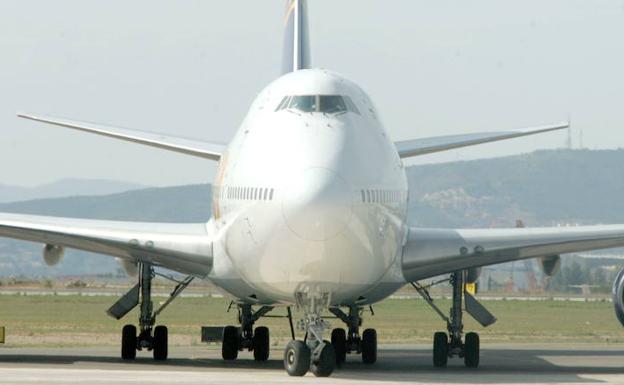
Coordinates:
x,y
194,147
431,252
429,145
186,248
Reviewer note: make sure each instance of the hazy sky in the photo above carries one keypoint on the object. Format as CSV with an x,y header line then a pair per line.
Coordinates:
x,y
193,67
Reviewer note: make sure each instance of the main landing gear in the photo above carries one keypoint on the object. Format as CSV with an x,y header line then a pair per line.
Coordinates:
x,y
313,353
148,337
246,337
351,341
451,345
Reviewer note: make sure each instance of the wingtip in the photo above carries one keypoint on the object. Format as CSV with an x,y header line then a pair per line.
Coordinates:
x,y
27,115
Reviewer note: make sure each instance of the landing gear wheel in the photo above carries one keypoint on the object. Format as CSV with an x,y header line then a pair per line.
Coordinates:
x,y
229,348
369,346
326,362
297,358
128,342
440,349
160,343
339,341
471,350
261,344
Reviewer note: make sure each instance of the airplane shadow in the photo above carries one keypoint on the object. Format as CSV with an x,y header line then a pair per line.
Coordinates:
x,y
506,366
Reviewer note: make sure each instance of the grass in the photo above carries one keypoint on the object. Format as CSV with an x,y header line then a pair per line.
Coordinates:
x,y
81,321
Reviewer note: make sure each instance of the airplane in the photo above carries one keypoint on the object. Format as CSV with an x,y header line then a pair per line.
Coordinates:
x,y
309,209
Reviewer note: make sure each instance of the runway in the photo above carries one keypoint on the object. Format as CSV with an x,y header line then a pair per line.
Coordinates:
x,y
518,364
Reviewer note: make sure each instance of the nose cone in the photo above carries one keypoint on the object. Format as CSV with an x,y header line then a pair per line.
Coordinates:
x,y
318,204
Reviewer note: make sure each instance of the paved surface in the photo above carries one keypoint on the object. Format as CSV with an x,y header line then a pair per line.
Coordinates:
x,y
530,364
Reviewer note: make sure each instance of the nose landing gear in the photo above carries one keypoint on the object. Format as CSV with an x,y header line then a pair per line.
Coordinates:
x,y
313,354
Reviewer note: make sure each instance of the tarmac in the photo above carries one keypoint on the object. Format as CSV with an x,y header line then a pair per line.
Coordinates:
x,y
500,364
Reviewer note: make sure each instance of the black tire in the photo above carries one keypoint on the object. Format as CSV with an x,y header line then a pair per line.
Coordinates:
x,y
128,342
229,347
440,349
471,350
161,349
297,358
339,340
261,343
369,346
326,363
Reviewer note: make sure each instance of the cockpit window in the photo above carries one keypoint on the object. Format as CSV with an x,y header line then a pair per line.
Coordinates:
x,y
351,105
283,103
328,104
304,103
332,104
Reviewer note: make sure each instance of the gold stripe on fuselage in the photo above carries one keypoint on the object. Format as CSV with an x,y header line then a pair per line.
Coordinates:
x,y
289,11
216,209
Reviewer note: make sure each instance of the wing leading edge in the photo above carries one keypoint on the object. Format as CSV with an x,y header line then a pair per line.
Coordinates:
x,y
431,252
408,148
186,248
194,147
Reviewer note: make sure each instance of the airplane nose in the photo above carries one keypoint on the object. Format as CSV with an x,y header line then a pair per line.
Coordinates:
x,y
318,204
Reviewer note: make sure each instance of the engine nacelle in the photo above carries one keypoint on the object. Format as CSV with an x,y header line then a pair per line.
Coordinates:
x,y
472,275
618,296
550,265
52,254
130,267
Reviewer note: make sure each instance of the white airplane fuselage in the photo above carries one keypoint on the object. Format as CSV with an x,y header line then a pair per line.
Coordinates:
x,y
309,199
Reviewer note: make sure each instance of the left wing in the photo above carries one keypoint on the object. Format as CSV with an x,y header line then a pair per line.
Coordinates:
x,y
208,150
431,252
423,146
186,248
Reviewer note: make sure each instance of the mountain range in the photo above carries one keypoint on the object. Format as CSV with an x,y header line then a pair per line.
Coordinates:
x,y
64,188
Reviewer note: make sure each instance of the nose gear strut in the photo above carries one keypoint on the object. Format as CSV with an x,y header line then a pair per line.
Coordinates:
x,y
314,353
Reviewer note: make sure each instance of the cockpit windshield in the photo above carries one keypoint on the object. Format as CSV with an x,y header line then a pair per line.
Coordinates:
x,y
304,103
328,104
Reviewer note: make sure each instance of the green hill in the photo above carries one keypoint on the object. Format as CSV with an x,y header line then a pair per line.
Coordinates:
x,y
543,187
166,204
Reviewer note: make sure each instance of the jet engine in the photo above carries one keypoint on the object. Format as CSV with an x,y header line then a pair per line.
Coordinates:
x,y
130,267
550,265
618,296
52,254
472,274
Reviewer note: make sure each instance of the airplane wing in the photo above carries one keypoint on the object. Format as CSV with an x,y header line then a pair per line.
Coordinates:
x,y
193,147
186,248
423,146
431,252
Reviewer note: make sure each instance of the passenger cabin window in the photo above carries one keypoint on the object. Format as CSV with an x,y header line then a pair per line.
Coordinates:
x,y
328,104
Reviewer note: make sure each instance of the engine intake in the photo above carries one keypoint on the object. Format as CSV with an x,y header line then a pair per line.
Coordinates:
x,y
550,265
618,296
52,254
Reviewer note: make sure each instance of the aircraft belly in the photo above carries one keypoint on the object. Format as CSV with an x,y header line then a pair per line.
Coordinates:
x,y
274,262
